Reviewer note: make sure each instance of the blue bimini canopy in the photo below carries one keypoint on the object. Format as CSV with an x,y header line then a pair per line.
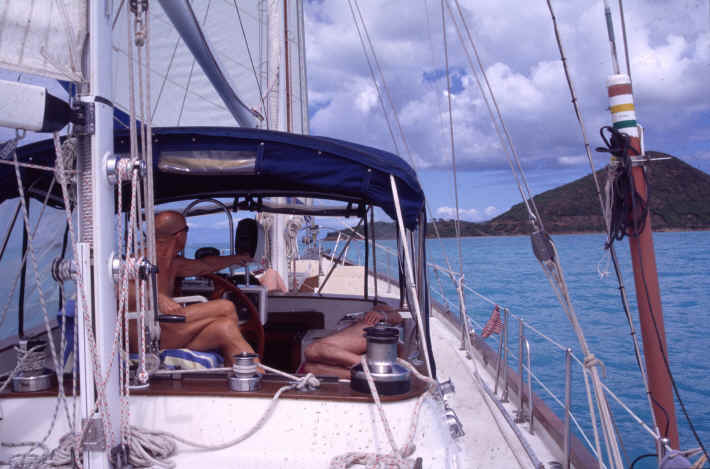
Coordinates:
x,y
196,162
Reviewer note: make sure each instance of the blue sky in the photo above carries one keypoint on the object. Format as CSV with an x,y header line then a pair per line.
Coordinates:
x,y
669,45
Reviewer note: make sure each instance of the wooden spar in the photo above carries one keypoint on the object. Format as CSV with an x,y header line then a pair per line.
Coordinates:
x,y
643,258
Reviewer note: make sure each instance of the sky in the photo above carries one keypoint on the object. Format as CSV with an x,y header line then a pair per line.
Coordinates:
x,y
669,46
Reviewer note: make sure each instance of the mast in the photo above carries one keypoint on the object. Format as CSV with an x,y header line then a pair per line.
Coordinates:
x,y
648,296
277,119
96,238
286,97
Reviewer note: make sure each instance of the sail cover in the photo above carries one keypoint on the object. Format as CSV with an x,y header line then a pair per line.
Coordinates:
x,y
193,162
43,37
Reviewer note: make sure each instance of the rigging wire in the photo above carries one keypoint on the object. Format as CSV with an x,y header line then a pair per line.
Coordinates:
x,y
637,225
628,200
372,74
167,73
519,175
384,82
451,137
609,244
251,60
391,105
549,259
667,365
192,68
626,42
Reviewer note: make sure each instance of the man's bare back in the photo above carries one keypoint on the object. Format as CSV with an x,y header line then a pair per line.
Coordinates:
x,y
207,326
335,354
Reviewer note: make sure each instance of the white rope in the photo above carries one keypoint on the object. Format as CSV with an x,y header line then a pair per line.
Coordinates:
x,y
27,460
32,166
648,429
55,354
398,458
301,383
149,448
88,318
590,362
20,366
293,225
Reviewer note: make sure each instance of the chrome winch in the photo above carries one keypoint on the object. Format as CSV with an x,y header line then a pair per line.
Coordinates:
x,y
244,377
33,375
389,376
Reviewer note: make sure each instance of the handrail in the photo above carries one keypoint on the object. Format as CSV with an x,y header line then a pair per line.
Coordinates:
x,y
340,258
504,355
230,221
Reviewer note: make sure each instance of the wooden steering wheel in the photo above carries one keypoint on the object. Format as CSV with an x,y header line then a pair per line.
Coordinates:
x,y
253,326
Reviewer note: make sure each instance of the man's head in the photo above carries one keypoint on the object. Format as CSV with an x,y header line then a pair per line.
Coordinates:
x,y
171,225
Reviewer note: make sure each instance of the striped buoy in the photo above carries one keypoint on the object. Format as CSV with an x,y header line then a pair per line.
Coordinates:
x,y
621,104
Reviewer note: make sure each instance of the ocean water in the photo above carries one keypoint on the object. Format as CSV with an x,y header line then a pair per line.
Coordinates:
x,y
505,270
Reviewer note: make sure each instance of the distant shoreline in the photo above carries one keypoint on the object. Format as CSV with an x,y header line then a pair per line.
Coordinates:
x,y
511,235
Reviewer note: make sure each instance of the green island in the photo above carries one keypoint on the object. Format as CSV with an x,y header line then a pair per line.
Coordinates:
x,y
679,200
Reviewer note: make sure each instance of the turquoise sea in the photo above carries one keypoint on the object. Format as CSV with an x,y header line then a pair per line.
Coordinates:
x,y
505,270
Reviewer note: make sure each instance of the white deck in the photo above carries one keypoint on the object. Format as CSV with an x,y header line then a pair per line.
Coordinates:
x,y
309,433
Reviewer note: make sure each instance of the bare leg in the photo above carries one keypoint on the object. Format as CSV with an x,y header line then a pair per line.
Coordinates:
x,y
335,354
224,335
211,325
273,281
330,354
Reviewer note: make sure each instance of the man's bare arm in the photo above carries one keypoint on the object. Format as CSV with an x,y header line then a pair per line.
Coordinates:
x,y
168,306
392,317
208,264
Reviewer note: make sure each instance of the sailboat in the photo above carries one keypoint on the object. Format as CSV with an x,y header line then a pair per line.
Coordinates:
x,y
449,401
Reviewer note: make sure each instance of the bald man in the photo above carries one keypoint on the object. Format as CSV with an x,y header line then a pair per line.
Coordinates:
x,y
207,326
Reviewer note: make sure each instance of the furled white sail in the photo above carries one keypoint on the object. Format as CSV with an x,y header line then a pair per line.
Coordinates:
x,y
181,93
43,38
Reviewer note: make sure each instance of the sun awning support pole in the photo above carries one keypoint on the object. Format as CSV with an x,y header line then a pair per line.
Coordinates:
x,y
367,253
374,248
23,279
10,227
409,274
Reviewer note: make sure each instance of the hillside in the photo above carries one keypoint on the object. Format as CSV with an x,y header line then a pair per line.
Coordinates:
x,y
679,200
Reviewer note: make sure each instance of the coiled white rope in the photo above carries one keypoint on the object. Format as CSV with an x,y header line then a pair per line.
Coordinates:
x,y
151,448
293,226
28,460
398,458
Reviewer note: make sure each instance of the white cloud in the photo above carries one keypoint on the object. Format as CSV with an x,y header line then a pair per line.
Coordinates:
x,y
468,214
490,211
571,160
669,54
366,99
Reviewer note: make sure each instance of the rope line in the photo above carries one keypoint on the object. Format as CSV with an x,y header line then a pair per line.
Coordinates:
x,y
397,458
54,353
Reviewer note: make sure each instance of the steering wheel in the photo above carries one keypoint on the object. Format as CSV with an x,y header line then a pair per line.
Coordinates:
x,y
253,325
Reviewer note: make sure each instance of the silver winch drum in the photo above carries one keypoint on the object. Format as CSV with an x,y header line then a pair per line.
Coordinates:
x,y
244,377
390,377
33,378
